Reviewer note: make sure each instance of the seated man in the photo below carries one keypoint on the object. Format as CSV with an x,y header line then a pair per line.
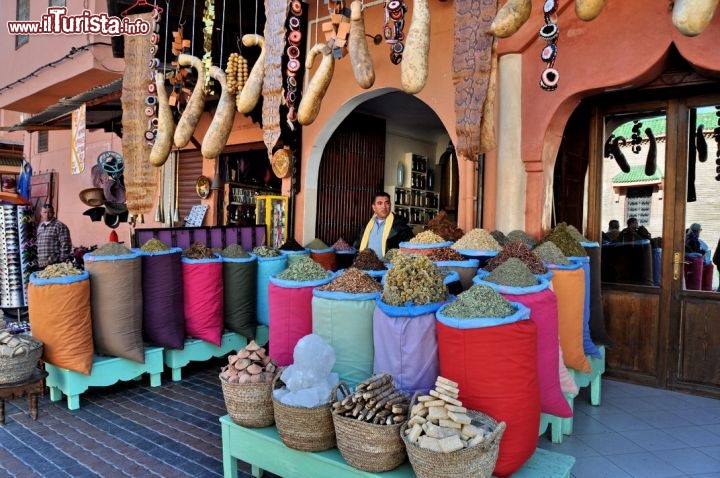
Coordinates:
x,y
613,231
633,231
385,230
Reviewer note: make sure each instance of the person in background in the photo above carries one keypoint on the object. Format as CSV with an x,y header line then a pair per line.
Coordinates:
x,y
613,231
692,240
716,260
634,231
53,238
385,230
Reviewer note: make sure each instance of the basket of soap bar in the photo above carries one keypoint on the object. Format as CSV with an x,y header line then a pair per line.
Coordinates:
x,y
367,424
444,439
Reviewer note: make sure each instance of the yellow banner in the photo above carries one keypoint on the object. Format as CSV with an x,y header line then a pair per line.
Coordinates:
x,y
77,146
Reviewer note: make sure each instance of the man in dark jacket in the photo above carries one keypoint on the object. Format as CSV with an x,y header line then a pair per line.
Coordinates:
x,y
716,260
385,230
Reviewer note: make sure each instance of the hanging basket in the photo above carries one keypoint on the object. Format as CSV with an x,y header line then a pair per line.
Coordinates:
x,y
249,404
19,355
302,428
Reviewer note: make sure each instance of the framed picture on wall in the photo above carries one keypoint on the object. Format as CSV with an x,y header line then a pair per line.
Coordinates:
x,y
8,183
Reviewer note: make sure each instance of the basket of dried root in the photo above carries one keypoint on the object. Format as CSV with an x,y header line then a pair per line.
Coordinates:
x,y
443,439
367,425
247,387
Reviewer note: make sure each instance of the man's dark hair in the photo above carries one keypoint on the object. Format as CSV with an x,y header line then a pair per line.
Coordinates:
x,y
631,220
614,223
379,194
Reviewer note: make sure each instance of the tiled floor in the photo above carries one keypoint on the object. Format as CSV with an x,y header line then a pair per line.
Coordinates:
x,y
643,432
132,429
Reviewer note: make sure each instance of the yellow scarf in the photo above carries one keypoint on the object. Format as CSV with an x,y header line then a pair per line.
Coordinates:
x,y
386,232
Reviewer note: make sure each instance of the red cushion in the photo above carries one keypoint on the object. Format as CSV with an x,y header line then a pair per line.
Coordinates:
x,y
203,300
496,369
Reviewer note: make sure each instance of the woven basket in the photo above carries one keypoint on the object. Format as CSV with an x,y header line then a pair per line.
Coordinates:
x,y
478,461
249,404
367,446
301,428
19,356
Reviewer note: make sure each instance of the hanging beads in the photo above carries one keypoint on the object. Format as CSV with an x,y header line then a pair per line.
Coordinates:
x,y
549,32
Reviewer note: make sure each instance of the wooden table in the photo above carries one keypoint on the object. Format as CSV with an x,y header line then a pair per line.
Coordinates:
x,y
31,387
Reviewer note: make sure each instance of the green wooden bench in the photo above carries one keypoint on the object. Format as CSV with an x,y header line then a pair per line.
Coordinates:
x,y
197,350
263,450
105,371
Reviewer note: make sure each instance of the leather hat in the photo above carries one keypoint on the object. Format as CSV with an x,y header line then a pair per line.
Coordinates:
x,y
92,197
114,220
95,213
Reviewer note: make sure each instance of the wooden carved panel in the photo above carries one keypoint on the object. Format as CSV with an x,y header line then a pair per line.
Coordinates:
x,y
700,354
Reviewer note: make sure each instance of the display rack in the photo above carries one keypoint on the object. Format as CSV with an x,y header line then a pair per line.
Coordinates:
x,y
418,203
273,212
18,256
239,200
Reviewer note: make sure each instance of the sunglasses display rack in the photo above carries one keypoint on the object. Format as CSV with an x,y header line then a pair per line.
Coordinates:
x,y
17,254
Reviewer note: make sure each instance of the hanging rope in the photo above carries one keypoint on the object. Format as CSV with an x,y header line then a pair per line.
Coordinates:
x,y
256,11
192,38
222,35
317,19
167,22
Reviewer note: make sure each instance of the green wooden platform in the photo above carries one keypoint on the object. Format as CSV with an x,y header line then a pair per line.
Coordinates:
x,y
197,350
263,450
105,371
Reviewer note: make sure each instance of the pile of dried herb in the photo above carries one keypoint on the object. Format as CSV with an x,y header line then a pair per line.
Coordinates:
x,y
354,281
477,240
341,245
62,269
265,251
413,279
291,245
234,251
499,236
521,236
522,252
549,253
111,249
513,272
445,254
477,302
391,254
444,228
564,240
154,245
367,260
426,237
577,235
303,269
316,244
198,250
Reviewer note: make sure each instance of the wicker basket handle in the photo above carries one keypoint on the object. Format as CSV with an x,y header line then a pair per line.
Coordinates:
x,y
495,436
276,378
341,387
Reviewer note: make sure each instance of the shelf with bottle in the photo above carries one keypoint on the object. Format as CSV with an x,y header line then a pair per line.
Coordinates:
x,y
416,198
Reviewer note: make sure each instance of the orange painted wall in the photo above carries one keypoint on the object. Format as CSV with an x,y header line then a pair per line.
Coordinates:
x,y
624,47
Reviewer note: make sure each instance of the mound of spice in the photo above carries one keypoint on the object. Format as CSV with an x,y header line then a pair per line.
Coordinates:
x,y
477,240
302,270
265,251
499,236
479,301
353,281
513,272
62,269
440,423
291,245
413,279
375,401
235,251
521,236
111,249
316,244
522,252
565,242
251,364
443,227
367,260
198,250
342,245
445,254
576,234
426,237
154,245
549,253
391,254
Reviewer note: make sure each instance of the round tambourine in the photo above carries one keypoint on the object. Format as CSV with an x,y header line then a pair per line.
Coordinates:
x,y
202,187
280,162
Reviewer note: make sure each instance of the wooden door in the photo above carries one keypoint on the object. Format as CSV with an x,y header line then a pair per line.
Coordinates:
x,y
352,170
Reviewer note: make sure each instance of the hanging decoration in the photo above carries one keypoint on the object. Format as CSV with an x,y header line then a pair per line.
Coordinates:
x,y
414,68
236,72
77,147
275,16
550,33
716,135
612,150
338,28
651,161
208,22
163,126
393,32
293,61
636,137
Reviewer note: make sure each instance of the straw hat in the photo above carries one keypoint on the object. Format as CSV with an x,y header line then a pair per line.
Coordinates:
x,y
280,162
92,197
